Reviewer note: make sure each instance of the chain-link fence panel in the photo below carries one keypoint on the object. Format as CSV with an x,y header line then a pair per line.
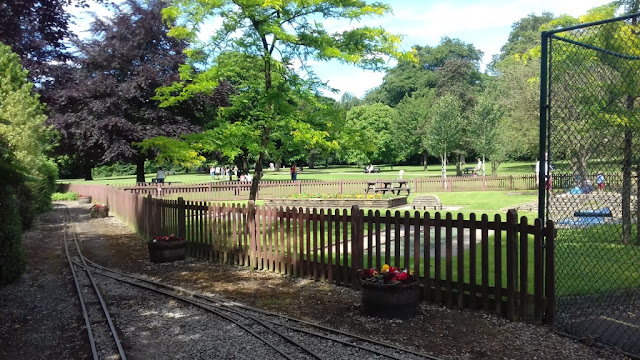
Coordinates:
x,y
589,178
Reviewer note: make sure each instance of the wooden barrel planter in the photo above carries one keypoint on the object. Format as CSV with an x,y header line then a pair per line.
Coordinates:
x,y
167,251
390,300
99,211
84,200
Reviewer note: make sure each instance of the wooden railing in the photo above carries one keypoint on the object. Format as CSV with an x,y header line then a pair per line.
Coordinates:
x,y
467,263
235,190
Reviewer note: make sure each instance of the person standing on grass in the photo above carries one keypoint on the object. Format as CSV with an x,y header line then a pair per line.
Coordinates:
x,y
160,175
546,174
294,173
601,181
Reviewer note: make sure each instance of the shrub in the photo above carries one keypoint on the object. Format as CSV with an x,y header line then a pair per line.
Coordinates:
x,y
12,258
68,196
341,196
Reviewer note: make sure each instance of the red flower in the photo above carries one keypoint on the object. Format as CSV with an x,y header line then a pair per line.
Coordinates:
x,y
402,276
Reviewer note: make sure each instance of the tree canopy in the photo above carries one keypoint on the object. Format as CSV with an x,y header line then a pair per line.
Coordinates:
x,y
103,103
272,36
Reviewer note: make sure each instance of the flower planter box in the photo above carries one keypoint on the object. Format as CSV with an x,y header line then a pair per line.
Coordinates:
x,y
99,211
390,300
84,200
160,251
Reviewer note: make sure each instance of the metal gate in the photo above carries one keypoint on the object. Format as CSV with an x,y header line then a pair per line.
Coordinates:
x,y
589,121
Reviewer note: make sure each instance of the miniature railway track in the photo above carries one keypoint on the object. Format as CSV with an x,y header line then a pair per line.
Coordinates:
x,y
282,336
101,331
297,339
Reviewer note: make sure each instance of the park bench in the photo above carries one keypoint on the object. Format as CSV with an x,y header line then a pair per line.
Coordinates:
x,y
375,170
426,202
382,186
469,170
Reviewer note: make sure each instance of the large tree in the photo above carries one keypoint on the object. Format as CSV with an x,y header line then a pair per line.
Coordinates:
x,y
273,35
451,59
410,135
444,134
35,30
368,135
103,105
484,131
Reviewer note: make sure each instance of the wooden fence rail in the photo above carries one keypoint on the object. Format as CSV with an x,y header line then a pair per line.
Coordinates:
x,y
236,190
466,263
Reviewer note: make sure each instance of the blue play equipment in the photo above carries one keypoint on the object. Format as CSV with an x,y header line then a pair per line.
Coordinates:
x,y
604,212
588,218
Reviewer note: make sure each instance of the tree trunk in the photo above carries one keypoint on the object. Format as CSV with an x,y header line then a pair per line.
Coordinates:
x,y
87,172
255,182
140,169
444,171
579,161
484,162
312,158
626,187
257,175
494,166
424,160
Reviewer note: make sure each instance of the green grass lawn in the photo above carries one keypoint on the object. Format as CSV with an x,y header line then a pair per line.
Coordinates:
x,y
331,173
594,260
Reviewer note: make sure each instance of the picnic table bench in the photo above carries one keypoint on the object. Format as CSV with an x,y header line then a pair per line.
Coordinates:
x,y
382,186
375,170
469,170
153,183
426,202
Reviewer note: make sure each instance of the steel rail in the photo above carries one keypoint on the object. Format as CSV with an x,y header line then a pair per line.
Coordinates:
x,y
233,308
96,289
174,292
85,315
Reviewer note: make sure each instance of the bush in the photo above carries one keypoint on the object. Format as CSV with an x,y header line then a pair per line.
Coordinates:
x,y
12,258
68,196
117,169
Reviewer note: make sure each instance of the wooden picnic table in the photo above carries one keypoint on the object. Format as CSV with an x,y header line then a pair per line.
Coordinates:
x,y
382,186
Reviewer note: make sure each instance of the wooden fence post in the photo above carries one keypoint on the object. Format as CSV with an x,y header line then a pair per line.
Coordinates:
x,y
357,245
550,274
512,263
340,189
148,215
251,217
182,226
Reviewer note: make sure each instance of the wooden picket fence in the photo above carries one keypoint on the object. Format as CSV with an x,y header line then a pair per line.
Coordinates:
x,y
236,190
466,263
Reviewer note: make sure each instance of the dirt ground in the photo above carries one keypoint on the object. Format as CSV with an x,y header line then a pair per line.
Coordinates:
x,y
442,332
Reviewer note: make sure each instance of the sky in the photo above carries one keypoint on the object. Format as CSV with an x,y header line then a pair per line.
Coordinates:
x,y
484,23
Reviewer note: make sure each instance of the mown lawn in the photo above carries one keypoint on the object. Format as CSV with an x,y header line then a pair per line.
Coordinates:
x,y
331,173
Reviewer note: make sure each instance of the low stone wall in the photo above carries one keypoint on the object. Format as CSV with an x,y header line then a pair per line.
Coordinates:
x,y
338,203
